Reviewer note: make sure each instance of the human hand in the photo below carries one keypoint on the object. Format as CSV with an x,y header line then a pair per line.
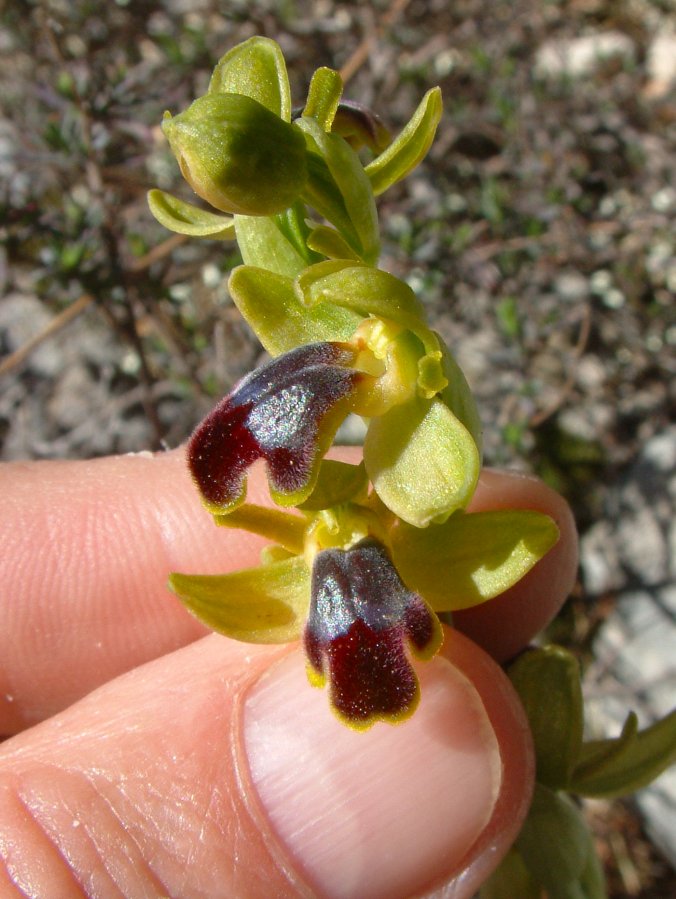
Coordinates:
x,y
150,760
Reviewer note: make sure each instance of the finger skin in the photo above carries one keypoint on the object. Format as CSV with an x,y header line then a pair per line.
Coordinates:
x,y
87,548
142,789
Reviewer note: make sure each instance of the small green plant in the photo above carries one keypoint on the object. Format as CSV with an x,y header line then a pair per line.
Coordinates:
x,y
372,554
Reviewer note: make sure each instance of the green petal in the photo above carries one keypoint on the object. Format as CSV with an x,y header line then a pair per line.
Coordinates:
x,y
184,218
323,96
255,68
473,556
269,304
282,527
257,605
548,683
422,461
558,849
339,190
327,241
337,483
408,148
610,768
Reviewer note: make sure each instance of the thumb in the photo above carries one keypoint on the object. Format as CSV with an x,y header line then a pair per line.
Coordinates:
x,y
217,771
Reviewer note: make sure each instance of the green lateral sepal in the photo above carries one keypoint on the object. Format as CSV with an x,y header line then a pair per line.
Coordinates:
x,y
410,147
255,68
473,556
184,218
267,604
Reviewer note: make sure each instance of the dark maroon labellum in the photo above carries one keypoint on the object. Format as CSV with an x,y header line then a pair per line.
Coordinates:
x,y
361,614
278,413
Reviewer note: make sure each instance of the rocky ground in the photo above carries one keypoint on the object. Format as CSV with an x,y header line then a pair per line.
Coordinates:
x,y
540,233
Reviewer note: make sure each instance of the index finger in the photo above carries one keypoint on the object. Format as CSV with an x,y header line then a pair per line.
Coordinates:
x,y
87,547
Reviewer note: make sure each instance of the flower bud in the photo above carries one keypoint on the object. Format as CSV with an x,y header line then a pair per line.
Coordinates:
x,y
237,155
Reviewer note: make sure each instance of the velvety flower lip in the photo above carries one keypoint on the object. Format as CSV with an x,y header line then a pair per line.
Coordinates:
x,y
361,617
285,412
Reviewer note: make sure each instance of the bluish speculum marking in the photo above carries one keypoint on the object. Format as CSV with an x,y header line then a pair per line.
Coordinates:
x,y
361,615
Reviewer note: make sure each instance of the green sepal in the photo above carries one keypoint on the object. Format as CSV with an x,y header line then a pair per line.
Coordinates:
x,y
367,290
263,242
558,849
372,291
282,527
255,68
337,483
548,683
237,155
184,218
339,190
610,768
327,241
459,398
267,604
323,97
269,304
511,879
422,461
473,556
409,147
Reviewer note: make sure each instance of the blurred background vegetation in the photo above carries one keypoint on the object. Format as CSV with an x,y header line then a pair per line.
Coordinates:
x,y
539,232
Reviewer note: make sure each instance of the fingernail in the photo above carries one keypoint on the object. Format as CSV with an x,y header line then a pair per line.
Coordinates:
x,y
383,813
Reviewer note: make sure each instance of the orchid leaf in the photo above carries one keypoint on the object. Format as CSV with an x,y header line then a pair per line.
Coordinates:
x,y
274,524
255,68
323,97
609,768
269,304
548,683
558,849
337,483
422,461
509,880
257,605
473,556
410,147
339,190
184,218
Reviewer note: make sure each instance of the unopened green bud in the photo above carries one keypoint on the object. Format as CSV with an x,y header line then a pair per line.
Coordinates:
x,y
237,155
